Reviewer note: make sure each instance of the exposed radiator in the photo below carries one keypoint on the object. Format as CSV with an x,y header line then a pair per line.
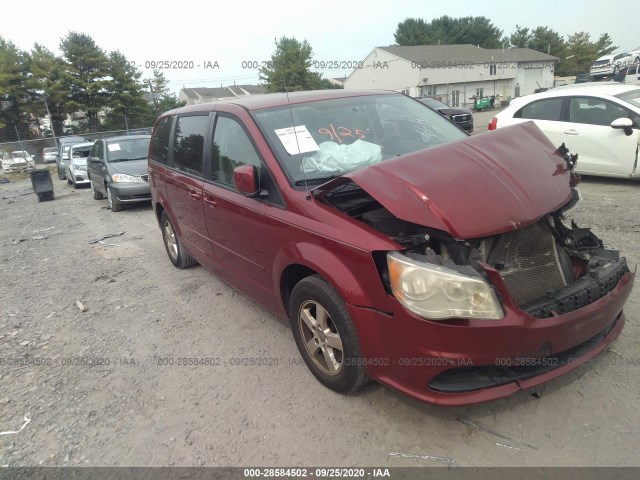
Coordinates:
x,y
527,260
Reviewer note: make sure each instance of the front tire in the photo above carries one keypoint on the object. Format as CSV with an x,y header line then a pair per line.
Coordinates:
x,y
325,335
177,254
115,205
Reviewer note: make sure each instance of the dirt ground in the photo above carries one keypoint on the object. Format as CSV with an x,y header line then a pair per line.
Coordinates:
x,y
98,388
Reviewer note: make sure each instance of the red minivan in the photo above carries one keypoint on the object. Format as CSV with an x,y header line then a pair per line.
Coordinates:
x,y
399,248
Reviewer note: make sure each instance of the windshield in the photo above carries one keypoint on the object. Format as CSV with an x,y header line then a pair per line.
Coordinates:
x,y
18,155
632,97
127,149
433,103
333,137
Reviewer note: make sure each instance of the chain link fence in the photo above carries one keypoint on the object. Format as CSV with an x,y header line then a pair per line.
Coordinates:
x,y
35,147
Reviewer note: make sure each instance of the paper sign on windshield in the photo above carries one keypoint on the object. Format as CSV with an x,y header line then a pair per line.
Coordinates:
x,y
298,141
113,147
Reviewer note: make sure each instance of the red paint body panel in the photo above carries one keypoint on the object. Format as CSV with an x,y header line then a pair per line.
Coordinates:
x,y
406,336
476,187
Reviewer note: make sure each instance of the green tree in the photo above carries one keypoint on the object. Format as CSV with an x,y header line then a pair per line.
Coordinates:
x,y
47,74
14,93
85,77
581,52
546,40
447,30
167,100
289,69
521,38
127,105
411,31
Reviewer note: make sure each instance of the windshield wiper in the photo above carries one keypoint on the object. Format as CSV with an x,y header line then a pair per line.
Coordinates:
x,y
316,180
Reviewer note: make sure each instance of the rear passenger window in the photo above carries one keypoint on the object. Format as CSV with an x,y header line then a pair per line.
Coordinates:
x,y
231,148
548,109
188,149
160,141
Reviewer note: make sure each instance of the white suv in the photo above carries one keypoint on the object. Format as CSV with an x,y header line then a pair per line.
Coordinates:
x,y
612,64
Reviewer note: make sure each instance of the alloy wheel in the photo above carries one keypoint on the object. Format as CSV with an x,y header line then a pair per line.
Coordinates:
x,y
321,337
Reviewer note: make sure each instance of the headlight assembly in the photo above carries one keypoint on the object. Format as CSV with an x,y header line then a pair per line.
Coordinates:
x,y
436,293
124,178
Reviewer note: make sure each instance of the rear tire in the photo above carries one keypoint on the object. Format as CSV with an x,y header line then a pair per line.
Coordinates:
x,y
325,335
96,194
177,254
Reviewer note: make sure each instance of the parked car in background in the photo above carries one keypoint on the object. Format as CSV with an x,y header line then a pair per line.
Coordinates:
x,y
399,247
583,78
63,152
633,75
76,166
117,169
18,161
461,117
599,122
49,154
612,64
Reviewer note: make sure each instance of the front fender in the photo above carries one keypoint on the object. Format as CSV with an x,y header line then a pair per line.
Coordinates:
x,y
351,271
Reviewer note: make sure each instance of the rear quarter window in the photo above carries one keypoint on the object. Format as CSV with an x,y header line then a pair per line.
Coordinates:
x,y
160,141
188,148
547,109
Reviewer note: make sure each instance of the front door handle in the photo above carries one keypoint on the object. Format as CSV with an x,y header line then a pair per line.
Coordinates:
x,y
195,195
210,201
571,132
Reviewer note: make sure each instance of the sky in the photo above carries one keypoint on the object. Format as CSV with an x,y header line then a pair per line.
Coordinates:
x,y
233,37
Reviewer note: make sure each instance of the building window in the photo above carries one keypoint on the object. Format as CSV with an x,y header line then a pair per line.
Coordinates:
x,y
492,69
427,90
480,92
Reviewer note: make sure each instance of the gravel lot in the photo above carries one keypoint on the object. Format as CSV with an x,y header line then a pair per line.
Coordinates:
x,y
105,393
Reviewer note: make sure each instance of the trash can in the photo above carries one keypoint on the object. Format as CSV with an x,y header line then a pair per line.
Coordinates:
x,y
42,184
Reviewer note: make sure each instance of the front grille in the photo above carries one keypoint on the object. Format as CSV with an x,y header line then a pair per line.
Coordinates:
x,y
461,118
528,261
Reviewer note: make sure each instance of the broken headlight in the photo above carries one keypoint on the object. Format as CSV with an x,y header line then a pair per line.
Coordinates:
x,y
437,293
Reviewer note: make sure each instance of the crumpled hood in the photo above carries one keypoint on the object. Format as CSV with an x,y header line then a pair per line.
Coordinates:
x,y
476,187
131,167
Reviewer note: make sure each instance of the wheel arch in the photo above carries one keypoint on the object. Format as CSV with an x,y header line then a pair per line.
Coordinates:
x,y
354,284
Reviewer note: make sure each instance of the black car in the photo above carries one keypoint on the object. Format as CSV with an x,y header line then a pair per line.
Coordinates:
x,y
117,169
461,117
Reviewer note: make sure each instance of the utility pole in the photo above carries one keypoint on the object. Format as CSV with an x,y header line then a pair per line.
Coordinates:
x,y
53,129
155,100
19,141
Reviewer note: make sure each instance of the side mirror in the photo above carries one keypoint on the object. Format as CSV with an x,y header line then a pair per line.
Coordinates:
x,y
623,123
245,179
94,159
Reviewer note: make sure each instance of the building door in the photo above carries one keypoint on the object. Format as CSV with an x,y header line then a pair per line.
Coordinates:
x,y
455,98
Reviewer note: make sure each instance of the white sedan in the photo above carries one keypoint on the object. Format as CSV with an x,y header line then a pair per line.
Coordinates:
x,y
599,122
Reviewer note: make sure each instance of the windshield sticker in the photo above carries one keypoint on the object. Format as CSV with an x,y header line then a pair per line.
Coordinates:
x,y
298,141
113,147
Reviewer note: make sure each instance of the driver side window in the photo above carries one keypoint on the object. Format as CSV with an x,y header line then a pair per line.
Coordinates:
x,y
231,148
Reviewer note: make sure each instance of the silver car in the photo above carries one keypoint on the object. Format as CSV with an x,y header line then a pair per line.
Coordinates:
x,y
18,161
75,164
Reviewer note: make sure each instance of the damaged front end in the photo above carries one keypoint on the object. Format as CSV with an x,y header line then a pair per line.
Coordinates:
x,y
545,269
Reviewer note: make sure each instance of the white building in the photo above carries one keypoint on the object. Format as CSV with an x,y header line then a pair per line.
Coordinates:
x,y
455,72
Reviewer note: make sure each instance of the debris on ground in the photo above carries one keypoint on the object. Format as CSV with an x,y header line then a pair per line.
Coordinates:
x,y
108,235
81,306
